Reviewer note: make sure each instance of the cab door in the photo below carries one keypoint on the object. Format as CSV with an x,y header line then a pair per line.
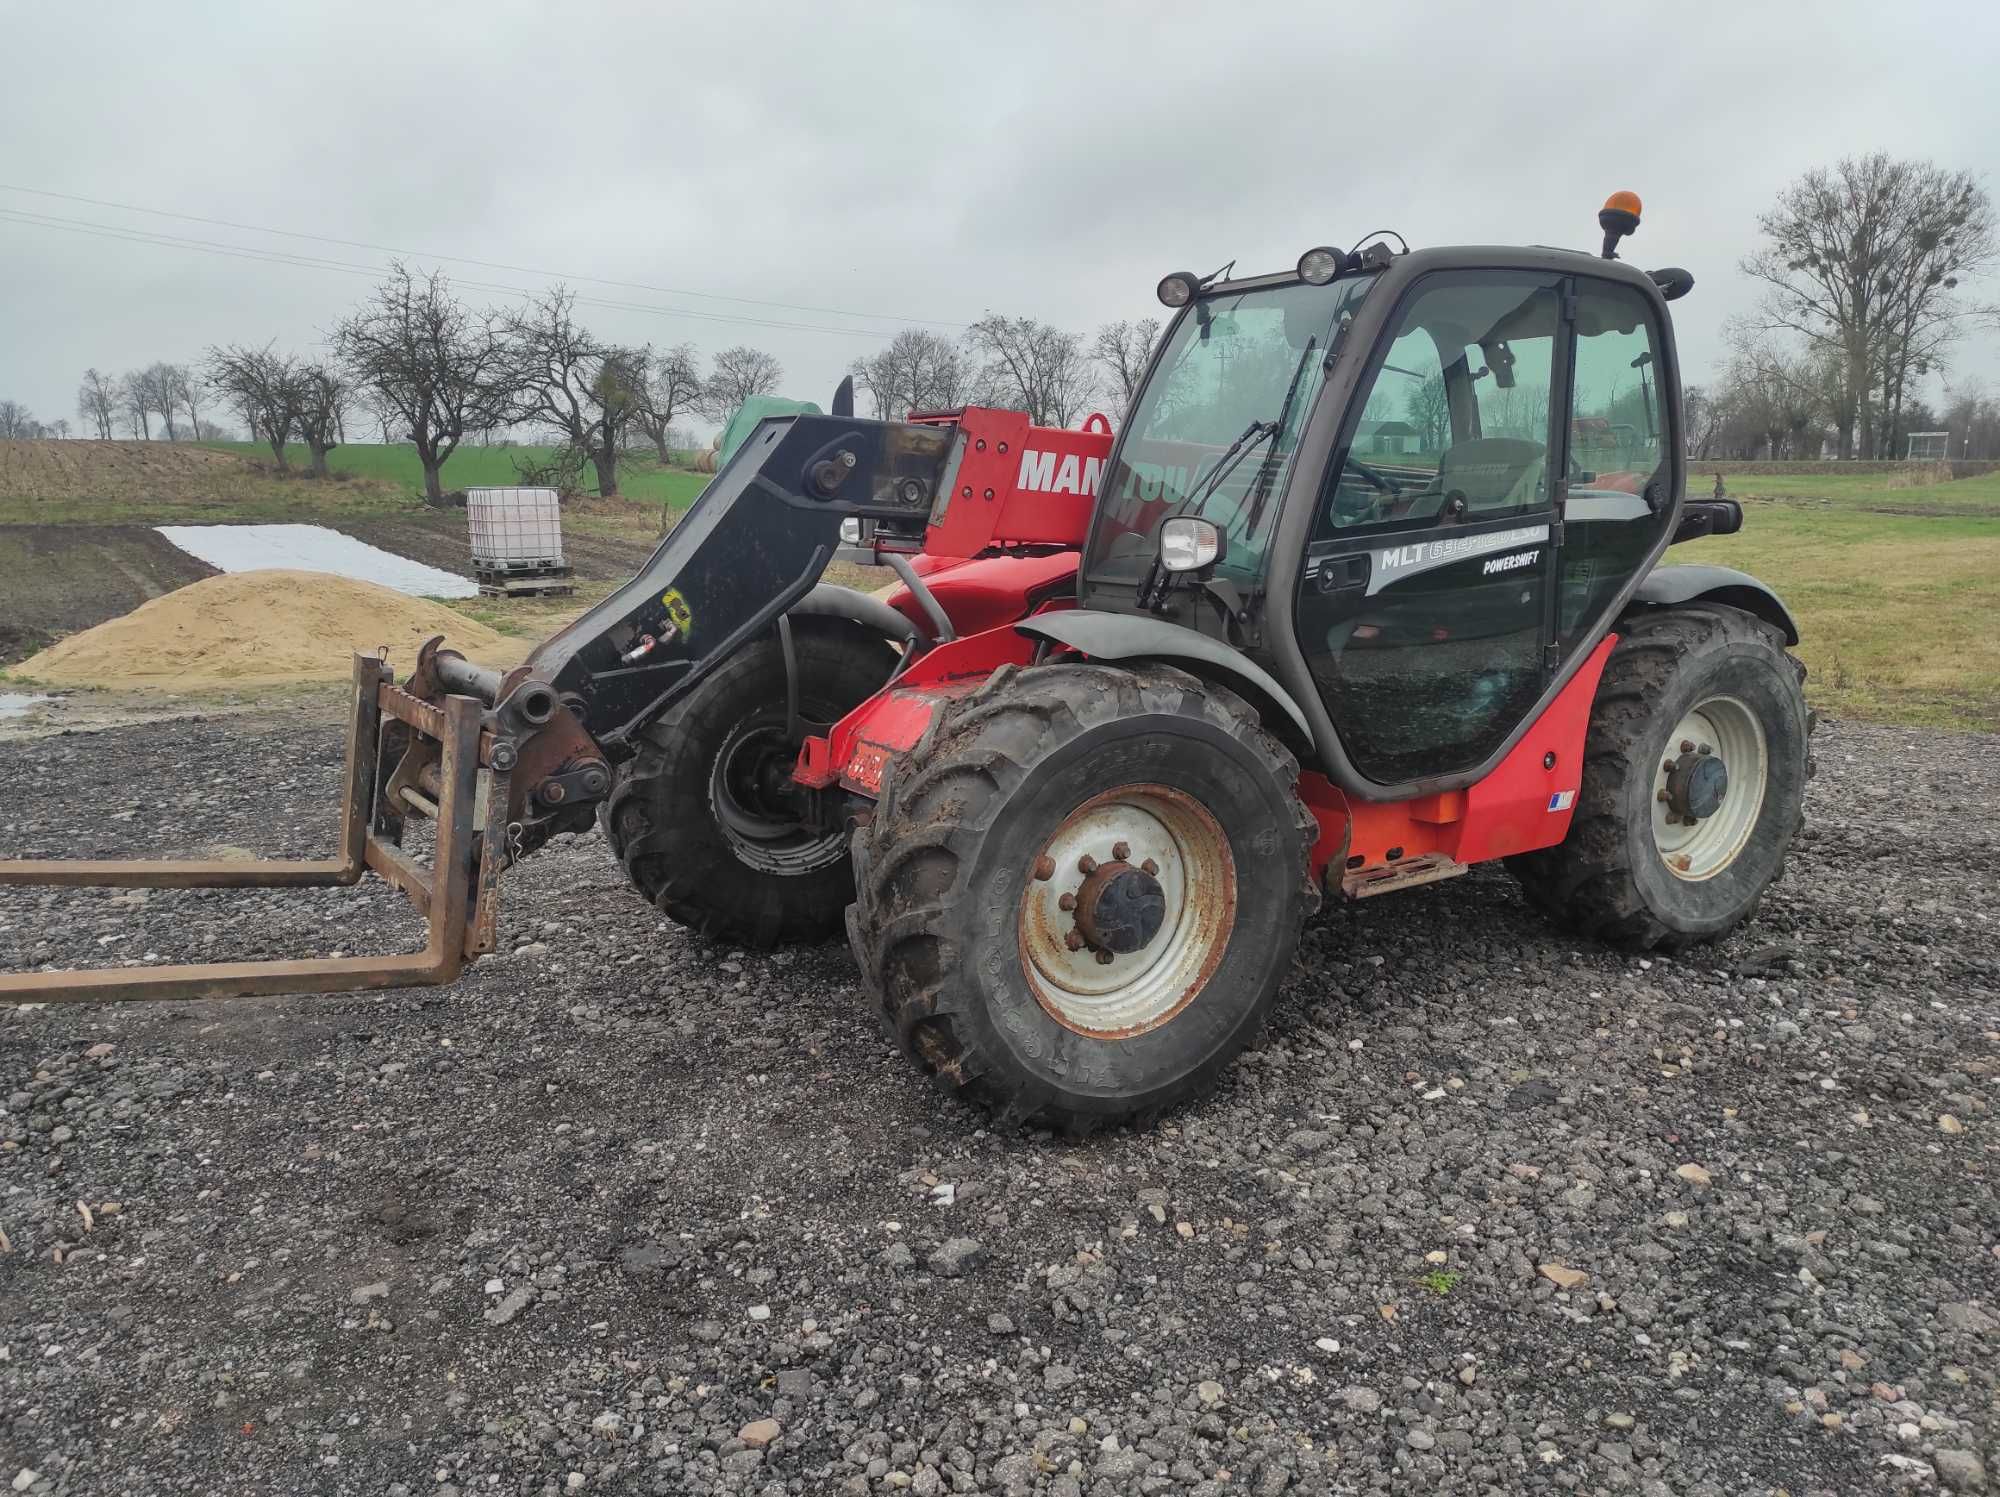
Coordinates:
x,y
1426,607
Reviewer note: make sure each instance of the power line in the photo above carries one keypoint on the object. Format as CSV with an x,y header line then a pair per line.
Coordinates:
x,y
116,232
224,223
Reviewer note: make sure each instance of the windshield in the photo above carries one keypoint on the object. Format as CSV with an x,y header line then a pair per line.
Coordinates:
x,y
1252,357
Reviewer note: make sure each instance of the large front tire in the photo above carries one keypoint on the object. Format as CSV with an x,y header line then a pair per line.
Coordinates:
x,y
1079,894
1665,848
700,817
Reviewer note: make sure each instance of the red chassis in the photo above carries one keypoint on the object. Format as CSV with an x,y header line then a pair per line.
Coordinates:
x,y
1013,552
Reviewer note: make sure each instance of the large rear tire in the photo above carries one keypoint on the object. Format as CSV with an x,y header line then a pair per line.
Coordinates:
x,y
1694,780
1079,894
700,816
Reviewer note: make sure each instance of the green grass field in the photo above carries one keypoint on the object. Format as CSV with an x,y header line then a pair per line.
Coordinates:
x,y
639,478
1896,590
1881,492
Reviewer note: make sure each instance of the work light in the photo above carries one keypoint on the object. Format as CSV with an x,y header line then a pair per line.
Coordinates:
x,y
1178,289
1318,266
1188,544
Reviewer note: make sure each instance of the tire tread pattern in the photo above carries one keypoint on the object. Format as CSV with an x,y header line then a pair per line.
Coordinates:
x,y
941,800
1585,883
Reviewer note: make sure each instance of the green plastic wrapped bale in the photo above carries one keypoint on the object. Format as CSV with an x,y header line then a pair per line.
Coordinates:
x,y
753,410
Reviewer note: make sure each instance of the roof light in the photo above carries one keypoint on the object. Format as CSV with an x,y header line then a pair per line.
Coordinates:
x,y
1618,217
1178,289
1320,265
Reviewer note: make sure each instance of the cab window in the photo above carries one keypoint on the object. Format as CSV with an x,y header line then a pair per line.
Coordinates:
x,y
1616,504
1455,424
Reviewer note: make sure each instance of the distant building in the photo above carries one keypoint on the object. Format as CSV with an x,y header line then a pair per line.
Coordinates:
x,y
1386,436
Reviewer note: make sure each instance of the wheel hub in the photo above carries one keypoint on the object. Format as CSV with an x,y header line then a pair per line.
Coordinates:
x,y
1120,908
1127,910
1697,784
1709,788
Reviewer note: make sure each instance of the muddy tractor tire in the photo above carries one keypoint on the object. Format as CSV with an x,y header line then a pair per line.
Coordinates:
x,y
701,818
1080,892
1694,779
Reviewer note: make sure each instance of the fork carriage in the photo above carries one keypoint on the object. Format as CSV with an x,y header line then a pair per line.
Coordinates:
x,y
457,774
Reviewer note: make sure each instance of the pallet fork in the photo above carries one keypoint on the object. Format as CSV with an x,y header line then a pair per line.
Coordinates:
x,y
465,769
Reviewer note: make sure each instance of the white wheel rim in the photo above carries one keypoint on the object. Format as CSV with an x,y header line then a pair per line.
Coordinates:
x,y
1190,860
1730,731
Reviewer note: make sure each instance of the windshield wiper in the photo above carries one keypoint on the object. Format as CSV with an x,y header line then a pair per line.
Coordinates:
x,y
1197,499
1267,470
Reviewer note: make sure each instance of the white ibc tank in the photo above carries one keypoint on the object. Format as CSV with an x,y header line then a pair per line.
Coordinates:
x,y
515,529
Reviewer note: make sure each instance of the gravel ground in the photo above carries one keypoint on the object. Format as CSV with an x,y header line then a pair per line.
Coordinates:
x,y
624,1211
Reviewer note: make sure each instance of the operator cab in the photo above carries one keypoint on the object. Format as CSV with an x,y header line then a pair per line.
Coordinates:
x,y
1416,487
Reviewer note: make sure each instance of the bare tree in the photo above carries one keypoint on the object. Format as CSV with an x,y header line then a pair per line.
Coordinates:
x,y
97,402
669,385
164,388
18,423
1428,409
1864,260
567,382
1701,420
918,370
190,386
739,373
428,369
1033,367
1122,349
263,386
319,396
134,406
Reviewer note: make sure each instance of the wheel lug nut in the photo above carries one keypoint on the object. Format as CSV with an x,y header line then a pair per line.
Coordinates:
x,y
1120,851
1661,795
1103,958
1074,940
1687,745
1045,868
1149,867
1704,749
1668,767
1086,865
1067,902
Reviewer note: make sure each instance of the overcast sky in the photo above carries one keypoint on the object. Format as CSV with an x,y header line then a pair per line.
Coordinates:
x,y
923,162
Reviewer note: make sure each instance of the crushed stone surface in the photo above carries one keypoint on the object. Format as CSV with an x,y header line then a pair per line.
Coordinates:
x,y
633,1212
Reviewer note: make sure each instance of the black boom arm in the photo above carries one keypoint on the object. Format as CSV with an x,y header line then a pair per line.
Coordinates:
x,y
753,545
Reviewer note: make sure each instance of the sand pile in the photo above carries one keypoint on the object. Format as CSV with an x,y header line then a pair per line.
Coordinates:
x,y
261,629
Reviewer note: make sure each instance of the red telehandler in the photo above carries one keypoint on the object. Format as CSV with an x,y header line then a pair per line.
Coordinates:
x,y
1365,591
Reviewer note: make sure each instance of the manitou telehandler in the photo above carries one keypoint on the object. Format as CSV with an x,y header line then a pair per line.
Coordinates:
x,y
1363,592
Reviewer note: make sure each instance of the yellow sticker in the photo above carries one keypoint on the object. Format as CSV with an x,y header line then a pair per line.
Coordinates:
x,y
678,612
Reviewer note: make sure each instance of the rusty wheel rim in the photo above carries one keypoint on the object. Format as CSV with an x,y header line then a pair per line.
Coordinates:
x,y
1694,846
1127,911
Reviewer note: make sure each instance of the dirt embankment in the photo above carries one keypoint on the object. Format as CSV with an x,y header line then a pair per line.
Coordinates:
x,y
57,579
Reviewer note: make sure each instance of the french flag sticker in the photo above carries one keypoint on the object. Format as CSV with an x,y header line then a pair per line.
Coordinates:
x,y
1562,800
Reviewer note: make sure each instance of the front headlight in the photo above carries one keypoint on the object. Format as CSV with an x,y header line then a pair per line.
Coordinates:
x,y
1188,544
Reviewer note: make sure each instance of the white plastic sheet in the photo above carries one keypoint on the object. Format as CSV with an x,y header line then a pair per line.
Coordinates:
x,y
314,548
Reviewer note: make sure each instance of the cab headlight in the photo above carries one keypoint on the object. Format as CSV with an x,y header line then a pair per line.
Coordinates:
x,y
1188,544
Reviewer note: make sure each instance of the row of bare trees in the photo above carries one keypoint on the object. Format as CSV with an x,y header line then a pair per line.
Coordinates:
x,y
1016,362
427,369
18,424
434,371
171,395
